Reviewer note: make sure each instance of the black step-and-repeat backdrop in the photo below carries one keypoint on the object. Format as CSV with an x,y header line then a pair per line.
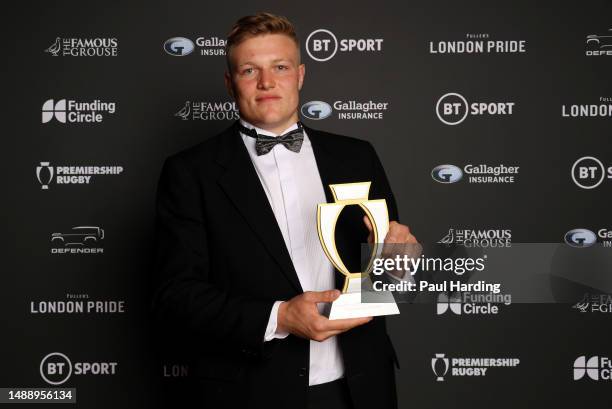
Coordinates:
x,y
492,120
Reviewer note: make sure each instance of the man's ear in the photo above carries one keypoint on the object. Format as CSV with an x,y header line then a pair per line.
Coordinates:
x,y
228,83
301,73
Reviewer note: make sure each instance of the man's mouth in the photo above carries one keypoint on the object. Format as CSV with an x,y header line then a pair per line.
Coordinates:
x,y
267,98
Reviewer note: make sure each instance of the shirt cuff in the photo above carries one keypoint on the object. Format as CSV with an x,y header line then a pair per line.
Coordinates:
x,y
271,330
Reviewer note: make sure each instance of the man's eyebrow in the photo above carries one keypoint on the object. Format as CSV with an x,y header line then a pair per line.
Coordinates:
x,y
275,61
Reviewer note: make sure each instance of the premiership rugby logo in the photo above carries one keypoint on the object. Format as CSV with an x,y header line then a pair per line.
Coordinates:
x,y
444,367
72,175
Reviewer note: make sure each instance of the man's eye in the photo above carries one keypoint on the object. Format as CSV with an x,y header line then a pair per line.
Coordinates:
x,y
247,71
282,67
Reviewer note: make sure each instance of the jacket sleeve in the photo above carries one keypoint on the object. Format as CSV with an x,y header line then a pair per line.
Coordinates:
x,y
184,292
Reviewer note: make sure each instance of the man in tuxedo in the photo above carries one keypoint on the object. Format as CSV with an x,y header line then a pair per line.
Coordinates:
x,y
238,253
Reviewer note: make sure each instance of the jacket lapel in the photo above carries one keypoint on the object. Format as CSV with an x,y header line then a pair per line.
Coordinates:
x,y
329,162
243,187
334,167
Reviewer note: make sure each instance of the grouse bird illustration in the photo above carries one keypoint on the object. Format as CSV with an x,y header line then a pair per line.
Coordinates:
x,y
583,304
184,112
449,238
55,47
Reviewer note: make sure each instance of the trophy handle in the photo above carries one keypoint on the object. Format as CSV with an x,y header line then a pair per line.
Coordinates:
x,y
376,211
327,217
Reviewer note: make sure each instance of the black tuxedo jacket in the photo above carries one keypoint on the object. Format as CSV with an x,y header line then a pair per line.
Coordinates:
x,y
222,262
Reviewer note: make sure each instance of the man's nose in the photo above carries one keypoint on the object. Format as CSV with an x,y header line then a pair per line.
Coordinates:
x,y
266,80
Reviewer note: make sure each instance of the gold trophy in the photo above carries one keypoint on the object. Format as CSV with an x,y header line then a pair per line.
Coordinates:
x,y
349,304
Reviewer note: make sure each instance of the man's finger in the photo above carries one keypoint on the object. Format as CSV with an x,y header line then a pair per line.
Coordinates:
x,y
366,221
398,233
322,296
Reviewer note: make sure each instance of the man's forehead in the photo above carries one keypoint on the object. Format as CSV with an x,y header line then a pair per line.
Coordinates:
x,y
268,47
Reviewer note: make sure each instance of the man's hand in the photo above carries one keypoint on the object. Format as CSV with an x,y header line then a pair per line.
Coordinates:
x,y
299,316
399,241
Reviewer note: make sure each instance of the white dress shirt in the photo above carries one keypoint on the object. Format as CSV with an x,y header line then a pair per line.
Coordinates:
x,y
294,189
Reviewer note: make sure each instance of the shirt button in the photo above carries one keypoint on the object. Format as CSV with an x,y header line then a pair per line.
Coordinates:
x,y
303,371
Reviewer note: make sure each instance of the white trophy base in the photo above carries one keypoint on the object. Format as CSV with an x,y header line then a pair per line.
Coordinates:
x,y
349,304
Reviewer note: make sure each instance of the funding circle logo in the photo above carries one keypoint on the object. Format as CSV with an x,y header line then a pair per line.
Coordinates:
x,y
316,110
55,368
589,366
580,238
588,172
179,46
452,108
446,174
321,45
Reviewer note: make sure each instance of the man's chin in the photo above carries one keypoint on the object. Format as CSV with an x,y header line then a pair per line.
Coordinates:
x,y
270,122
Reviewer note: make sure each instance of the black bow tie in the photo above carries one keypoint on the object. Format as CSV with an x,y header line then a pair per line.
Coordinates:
x,y
292,140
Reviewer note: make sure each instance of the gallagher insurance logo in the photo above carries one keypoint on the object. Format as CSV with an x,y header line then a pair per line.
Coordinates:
x,y
322,45
349,109
596,368
589,172
581,238
71,111
84,47
208,111
452,108
447,173
599,44
482,173
182,46
56,368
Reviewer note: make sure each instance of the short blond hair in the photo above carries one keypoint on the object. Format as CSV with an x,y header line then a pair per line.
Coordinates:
x,y
259,24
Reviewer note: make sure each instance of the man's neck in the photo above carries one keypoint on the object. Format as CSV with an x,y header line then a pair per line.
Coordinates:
x,y
276,130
